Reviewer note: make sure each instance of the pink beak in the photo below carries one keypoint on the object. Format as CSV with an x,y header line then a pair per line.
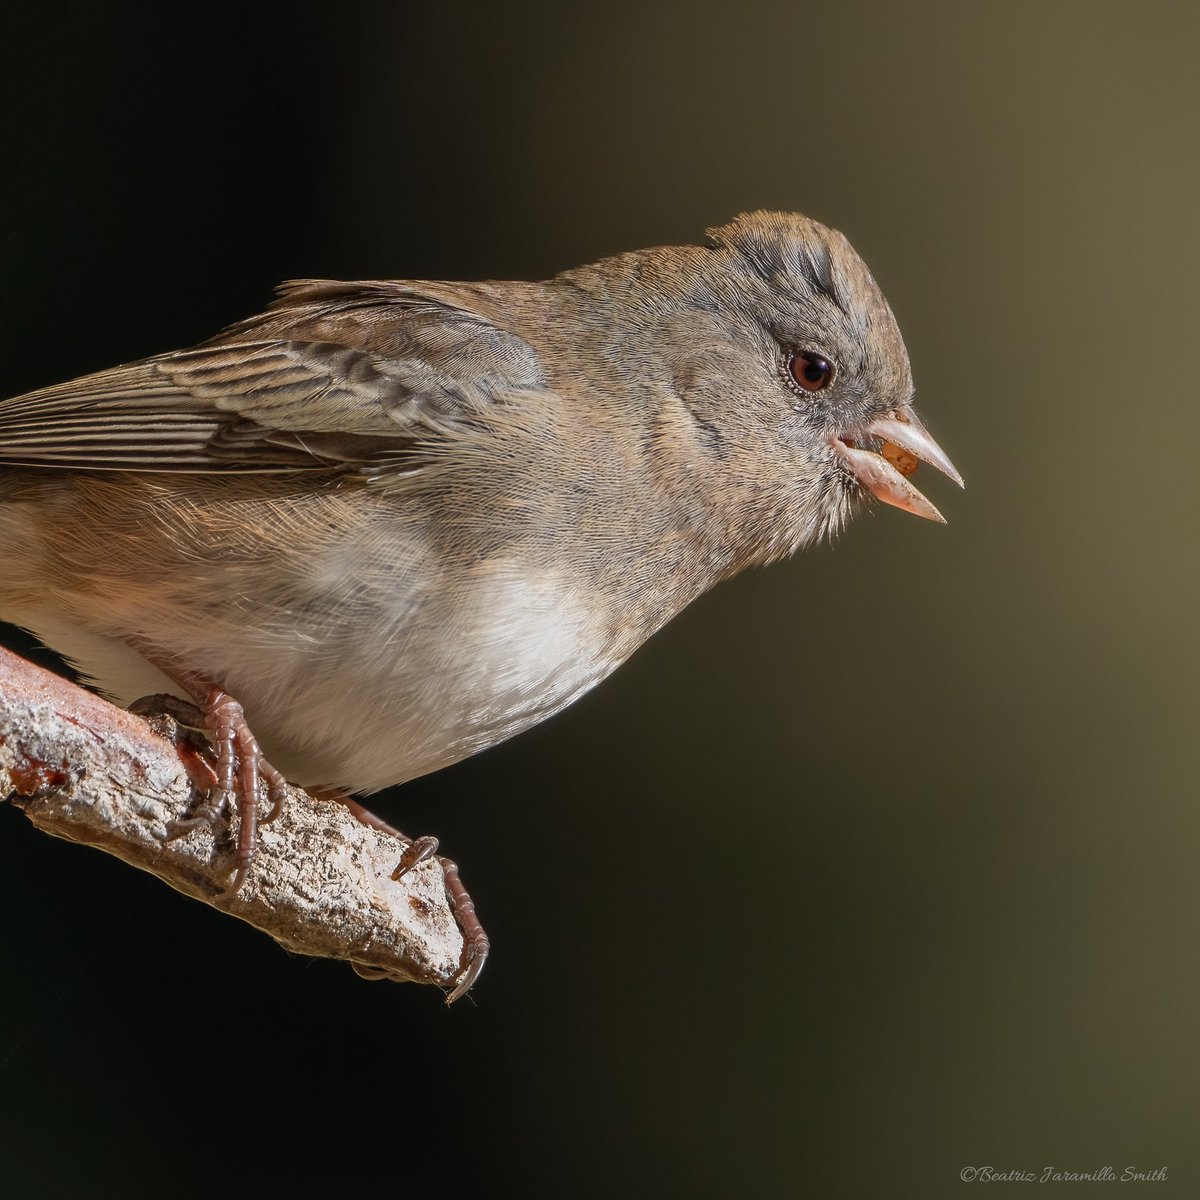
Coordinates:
x,y
903,430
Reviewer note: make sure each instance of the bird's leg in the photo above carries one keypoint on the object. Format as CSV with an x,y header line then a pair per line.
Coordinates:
x,y
416,850
239,768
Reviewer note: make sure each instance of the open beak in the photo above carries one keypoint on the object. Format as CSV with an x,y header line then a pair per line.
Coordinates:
x,y
884,475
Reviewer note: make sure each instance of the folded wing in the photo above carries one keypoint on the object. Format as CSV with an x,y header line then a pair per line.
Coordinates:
x,y
335,374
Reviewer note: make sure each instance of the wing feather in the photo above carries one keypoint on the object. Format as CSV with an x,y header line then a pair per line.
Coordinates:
x,y
350,374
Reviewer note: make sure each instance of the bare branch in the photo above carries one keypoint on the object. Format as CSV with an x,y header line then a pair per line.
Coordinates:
x,y
82,769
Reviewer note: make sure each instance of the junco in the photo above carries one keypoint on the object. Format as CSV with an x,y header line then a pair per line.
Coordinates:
x,y
398,522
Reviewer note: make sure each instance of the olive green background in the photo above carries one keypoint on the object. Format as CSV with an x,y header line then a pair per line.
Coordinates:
x,y
872,867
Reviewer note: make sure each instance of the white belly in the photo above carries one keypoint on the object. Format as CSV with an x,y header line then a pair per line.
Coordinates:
x,y
465,674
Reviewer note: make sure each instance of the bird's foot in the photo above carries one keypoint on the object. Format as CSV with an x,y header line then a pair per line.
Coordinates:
x,y
475,939
417,850
226,773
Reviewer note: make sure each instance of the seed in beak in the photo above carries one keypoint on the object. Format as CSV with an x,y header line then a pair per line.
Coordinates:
x,y
903,460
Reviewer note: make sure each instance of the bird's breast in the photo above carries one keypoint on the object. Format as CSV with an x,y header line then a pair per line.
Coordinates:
x,y
523,645
446,675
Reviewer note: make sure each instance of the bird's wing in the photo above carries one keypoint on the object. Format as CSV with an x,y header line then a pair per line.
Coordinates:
x,y
335,374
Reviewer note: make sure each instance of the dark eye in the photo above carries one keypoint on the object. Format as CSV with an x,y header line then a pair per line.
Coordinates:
x,y
809,371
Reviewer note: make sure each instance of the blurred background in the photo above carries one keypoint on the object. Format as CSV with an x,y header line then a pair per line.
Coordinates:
x,y
873,867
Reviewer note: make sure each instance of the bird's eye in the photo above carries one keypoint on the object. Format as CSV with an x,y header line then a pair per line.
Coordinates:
x,y
809,371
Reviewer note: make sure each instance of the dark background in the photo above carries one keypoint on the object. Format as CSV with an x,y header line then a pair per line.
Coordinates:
x,y
873,866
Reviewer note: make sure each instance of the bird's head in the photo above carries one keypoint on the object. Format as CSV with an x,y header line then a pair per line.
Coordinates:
x,y
786,356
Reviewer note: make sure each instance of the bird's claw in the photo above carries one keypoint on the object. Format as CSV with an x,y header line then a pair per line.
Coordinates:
x,y
227,773
416,852
208,814
475,939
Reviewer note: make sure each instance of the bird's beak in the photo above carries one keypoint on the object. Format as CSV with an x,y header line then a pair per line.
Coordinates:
x,y
905,440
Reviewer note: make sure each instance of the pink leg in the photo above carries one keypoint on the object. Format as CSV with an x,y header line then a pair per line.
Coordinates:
x,y
416,850
240,767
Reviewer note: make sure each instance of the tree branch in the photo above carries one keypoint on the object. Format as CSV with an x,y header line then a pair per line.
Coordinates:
x,y
83,769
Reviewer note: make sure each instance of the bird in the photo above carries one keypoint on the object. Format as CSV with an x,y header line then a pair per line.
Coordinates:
x,y
385,525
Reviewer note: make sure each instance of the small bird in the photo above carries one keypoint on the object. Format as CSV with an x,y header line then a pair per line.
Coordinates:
x,y
385,525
